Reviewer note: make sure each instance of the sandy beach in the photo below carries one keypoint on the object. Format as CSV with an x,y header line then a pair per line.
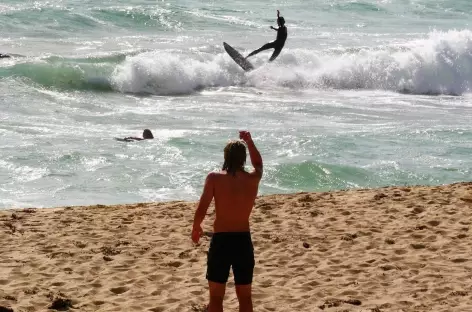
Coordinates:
x,y
387,249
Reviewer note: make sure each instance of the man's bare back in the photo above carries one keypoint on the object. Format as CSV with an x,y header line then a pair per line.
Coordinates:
x,y
234,199
234,191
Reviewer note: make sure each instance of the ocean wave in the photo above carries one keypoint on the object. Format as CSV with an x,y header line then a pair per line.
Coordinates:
x,y
321,176
169,74
132,17
65,19
439,64
62,74
357,6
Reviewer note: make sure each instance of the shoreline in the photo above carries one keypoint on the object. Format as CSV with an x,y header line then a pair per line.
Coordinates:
x,y
195,202
384,249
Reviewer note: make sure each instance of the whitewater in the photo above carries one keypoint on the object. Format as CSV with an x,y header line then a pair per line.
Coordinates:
x,y
364,94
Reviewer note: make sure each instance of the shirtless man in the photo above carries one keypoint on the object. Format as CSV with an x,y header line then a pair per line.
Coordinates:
x,y
234,191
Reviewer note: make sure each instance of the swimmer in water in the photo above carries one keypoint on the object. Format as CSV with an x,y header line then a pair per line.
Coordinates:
x,y
147,135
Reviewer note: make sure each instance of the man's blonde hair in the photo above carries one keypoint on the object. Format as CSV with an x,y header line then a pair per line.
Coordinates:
x,y
235,156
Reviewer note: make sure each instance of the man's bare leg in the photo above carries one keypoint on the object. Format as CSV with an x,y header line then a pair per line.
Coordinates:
x,y
244,297
217,294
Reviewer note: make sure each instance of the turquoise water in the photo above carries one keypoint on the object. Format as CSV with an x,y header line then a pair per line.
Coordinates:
x,y
364,94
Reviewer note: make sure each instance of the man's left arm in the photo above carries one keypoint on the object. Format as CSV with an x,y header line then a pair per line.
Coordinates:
x,y
204,203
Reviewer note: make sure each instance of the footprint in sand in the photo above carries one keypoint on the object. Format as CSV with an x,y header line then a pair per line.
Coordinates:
x,y
156,292
401,251
174,264
8,297
418,246
459,260
387,267
306,199
379,196
199,308
417,236
155,277
434,223
184,254
349,236
349,293
418,209
421,227
119,290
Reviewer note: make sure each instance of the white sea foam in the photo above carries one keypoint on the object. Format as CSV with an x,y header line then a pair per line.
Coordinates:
x,y
440,64
169,74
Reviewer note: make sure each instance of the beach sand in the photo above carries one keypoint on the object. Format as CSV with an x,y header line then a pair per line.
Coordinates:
x,y
387,249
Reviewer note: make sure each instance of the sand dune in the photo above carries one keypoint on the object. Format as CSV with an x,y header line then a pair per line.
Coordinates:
x,y
388,249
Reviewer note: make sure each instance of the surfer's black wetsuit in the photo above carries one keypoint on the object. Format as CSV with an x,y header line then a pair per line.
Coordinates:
x,y
279,42
4,55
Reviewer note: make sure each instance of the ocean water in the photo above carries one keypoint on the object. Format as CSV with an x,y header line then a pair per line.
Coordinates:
x,y
364,94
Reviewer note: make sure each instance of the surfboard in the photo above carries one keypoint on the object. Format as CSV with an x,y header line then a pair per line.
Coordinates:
x,y
238,58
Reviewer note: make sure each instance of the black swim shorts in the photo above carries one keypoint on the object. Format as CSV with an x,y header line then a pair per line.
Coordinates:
x,y
231,249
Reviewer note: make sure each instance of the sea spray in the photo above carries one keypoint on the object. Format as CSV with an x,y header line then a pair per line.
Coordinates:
x,y
439,64
167,74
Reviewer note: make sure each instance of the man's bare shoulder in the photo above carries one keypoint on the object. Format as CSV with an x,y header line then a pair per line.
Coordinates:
x,y
256,173
214,175
218,175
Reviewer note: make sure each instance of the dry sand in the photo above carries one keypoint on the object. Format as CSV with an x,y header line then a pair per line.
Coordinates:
x,y
388,249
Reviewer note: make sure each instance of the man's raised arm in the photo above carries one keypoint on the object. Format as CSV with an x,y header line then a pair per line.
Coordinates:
x,y
256,158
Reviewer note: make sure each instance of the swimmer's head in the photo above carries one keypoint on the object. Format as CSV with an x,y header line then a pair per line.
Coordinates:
x,y
147,134
235,156
280,21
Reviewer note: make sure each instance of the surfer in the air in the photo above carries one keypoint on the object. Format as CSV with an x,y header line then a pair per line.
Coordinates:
x,y
279,42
